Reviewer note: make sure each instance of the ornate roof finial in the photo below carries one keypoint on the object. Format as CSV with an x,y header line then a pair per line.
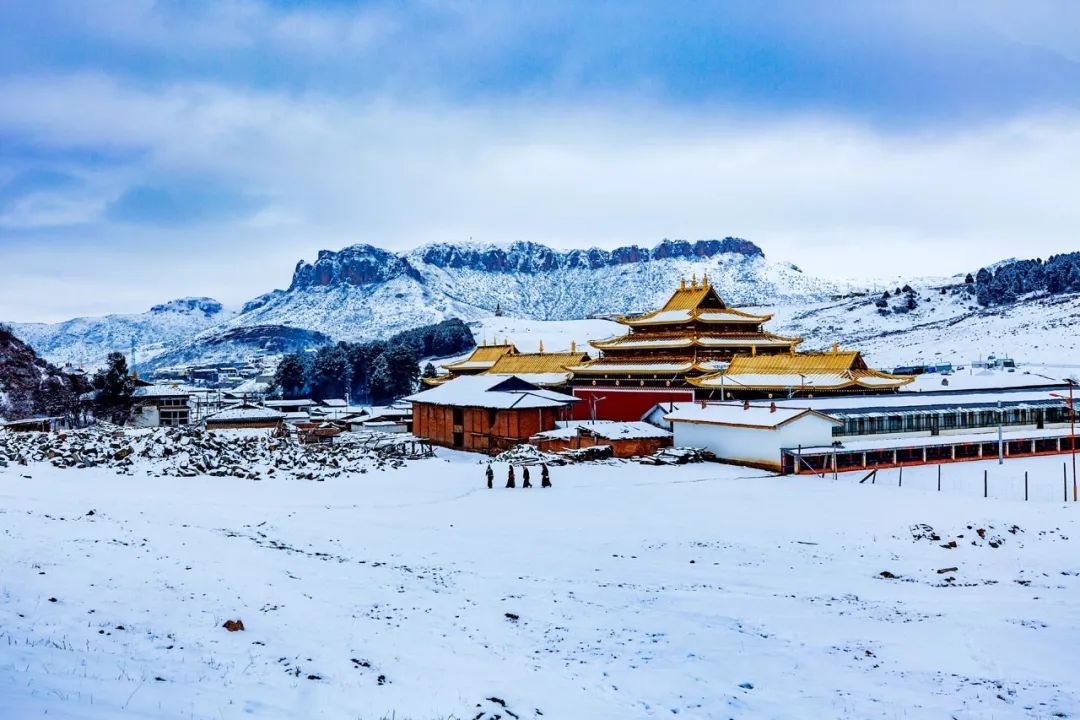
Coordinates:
x,y
541,346
693,280
682,283
704,280
836,347
573,346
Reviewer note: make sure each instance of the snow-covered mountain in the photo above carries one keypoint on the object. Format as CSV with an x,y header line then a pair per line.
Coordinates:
x,y
87,341
364,292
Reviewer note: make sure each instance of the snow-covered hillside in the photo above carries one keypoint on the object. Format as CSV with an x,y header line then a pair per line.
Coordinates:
x,y
624,592
86,341
941,327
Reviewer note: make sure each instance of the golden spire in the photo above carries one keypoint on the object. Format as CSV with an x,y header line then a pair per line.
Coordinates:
x,y
704,280
573,346
682,283
693,280
836,347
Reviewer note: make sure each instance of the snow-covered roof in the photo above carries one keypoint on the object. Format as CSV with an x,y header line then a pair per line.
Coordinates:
x,y
491,391
245,412
153,391
334,403
303,402
604,366
606,429
914,401
740,415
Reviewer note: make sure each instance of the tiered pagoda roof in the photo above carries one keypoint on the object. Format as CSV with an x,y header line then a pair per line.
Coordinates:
x,y
693,331
832,371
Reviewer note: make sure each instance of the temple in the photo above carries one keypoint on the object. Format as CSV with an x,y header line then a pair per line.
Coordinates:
x,y
696,347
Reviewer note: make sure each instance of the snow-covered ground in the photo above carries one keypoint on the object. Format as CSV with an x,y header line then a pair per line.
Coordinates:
x,y
626,591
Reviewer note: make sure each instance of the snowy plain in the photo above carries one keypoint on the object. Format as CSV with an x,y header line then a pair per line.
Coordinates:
x,y
626,591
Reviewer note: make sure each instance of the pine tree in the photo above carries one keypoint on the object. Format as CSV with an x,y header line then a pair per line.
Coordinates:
x,y
290,376
328,373
380,380
429,371
115,387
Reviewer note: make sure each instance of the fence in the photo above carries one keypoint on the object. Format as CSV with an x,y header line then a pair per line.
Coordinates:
x,y
1041,479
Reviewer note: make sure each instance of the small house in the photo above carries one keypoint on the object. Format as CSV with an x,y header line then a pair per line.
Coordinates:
x,y
245,416
161,406
626,439
745,434
486,413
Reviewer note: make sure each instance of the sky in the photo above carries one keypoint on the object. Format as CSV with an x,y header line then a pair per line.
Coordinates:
x,y
152,150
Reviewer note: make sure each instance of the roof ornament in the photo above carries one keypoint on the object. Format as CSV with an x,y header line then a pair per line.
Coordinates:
x,y
682,283
836,347
704,280
573,346
541,346
693,280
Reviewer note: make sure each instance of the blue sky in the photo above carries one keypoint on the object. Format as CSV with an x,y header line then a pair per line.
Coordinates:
x,y
150,149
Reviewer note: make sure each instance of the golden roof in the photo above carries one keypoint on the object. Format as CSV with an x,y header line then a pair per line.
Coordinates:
x,y
831,361
833,370
483,354
542,362
691,303
642,341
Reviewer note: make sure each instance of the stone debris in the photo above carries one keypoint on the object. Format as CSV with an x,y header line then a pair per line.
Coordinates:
x,y
678,456
192,451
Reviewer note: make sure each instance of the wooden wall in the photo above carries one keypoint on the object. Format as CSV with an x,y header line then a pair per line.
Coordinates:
x,y
481,429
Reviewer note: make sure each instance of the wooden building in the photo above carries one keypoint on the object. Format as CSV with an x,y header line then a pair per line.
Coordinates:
x,y
486,413
245,416
626,439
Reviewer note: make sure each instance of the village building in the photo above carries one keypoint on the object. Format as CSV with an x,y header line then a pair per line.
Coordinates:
x,y
626,439
160,406
33,424
245,416
486,413
755,435
296,405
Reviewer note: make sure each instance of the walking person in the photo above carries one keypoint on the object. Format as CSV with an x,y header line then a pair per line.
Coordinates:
x,y
490,475
510,478
525,478
545,478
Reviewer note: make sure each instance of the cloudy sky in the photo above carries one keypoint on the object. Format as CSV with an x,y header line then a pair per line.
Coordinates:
x,y
151,150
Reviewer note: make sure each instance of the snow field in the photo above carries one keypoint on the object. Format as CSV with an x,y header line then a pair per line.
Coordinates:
x,y
700,591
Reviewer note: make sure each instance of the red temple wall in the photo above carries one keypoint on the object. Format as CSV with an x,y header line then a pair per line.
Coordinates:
x,y
625,403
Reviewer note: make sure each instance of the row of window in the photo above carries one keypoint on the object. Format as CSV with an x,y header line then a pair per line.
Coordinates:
x,y
956,420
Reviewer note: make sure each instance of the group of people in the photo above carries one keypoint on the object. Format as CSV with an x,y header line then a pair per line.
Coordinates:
x,y
511,482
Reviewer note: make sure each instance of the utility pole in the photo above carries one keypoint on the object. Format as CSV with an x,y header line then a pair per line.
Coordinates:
x,y
1001,449
1072,430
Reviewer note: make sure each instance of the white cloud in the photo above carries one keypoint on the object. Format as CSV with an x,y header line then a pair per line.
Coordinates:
x,y
828,194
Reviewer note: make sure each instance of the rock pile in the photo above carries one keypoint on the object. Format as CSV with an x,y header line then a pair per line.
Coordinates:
x,y
191,451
